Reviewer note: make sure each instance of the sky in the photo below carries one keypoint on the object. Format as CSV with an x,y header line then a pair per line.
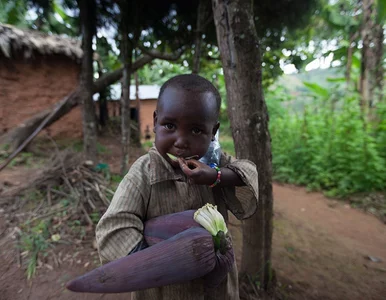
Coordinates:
x,y
319,63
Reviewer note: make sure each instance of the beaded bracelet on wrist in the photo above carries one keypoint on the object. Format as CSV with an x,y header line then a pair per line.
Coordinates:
x,y
218,179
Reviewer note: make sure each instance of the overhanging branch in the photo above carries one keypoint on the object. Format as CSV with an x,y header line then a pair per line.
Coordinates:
x,y
149,55
160,55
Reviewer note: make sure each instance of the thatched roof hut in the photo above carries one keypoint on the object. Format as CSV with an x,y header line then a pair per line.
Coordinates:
x,y
29,42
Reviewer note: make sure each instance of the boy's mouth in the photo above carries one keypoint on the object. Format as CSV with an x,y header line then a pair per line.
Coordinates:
x,y
191,157
175,158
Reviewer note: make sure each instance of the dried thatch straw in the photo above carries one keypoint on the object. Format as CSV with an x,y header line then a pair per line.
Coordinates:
x,y
14,40
66,177
60,164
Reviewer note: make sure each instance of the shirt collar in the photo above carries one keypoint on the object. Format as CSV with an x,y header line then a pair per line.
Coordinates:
x,y
161,170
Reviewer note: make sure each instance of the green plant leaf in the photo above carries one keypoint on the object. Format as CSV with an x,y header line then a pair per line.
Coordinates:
x,y
336,79
381,11
317,89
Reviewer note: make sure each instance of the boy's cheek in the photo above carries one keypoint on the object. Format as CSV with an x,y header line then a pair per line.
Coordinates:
x,y
162,144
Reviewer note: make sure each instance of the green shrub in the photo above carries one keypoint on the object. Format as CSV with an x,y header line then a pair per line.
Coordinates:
x,y
329,145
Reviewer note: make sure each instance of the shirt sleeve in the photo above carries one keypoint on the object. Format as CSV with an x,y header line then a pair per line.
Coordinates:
x,y
242,201
121,228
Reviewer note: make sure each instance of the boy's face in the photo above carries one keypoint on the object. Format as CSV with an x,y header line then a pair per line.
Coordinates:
x,y
184,123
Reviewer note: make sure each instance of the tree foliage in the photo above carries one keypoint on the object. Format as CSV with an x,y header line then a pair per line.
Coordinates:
x,y
14,12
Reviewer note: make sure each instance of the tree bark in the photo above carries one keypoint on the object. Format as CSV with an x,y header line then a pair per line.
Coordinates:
x,y
201,16
367,59
102,101
136,138
127,54
241,60
103,109
350,52
87,16
379,51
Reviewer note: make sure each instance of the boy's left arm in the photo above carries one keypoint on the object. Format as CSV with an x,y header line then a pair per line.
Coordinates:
x,y
241,195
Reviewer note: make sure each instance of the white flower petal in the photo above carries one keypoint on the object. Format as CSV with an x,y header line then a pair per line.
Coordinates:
x,y
211,219
207,225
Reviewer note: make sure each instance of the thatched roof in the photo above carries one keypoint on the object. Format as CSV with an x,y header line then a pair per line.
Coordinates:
x,y
29,42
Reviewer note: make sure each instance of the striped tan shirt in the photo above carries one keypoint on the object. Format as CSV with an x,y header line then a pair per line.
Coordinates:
x,y
152,188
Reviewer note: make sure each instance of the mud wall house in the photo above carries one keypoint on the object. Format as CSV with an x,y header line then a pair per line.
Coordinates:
x,y
143,102
36,71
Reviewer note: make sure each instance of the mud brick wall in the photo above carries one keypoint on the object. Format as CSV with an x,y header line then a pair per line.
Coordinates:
x,y
30,86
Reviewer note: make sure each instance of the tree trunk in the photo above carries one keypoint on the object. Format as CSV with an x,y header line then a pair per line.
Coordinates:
x,y
201,16
350,52
126,51
87,17
379,51
136,137
103,110
241,60
367,59
102,101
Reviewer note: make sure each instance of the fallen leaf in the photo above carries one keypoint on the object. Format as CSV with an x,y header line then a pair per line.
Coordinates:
x,y
55,237
373,258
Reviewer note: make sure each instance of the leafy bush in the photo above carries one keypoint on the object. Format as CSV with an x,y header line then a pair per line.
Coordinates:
x,y
330,145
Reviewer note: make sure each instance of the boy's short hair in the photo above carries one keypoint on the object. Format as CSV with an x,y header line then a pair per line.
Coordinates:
x,y
194,83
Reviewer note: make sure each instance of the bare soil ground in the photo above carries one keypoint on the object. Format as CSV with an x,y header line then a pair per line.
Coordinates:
x,y
322,249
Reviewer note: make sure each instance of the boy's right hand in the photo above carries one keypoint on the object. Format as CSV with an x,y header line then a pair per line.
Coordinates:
x,y
197,172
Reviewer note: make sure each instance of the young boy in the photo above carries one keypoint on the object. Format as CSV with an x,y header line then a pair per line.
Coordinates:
x,y
185,123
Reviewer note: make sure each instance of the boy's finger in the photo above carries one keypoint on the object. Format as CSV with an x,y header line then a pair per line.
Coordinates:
x,y
193,164
184,167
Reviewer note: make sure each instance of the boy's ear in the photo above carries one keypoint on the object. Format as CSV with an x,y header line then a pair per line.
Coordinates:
x,y
154,120
215,128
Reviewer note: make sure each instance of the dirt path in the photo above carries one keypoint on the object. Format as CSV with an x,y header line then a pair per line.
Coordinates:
x,y
323,245
320,251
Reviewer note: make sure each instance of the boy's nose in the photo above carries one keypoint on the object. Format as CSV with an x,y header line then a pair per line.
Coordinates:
x,y
181,142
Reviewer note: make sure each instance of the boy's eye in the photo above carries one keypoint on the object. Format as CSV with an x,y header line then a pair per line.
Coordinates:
x,y
169,126
196,131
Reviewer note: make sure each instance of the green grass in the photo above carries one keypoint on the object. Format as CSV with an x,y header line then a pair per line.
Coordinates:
x,y
25,158
35,241
115,178
77,146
